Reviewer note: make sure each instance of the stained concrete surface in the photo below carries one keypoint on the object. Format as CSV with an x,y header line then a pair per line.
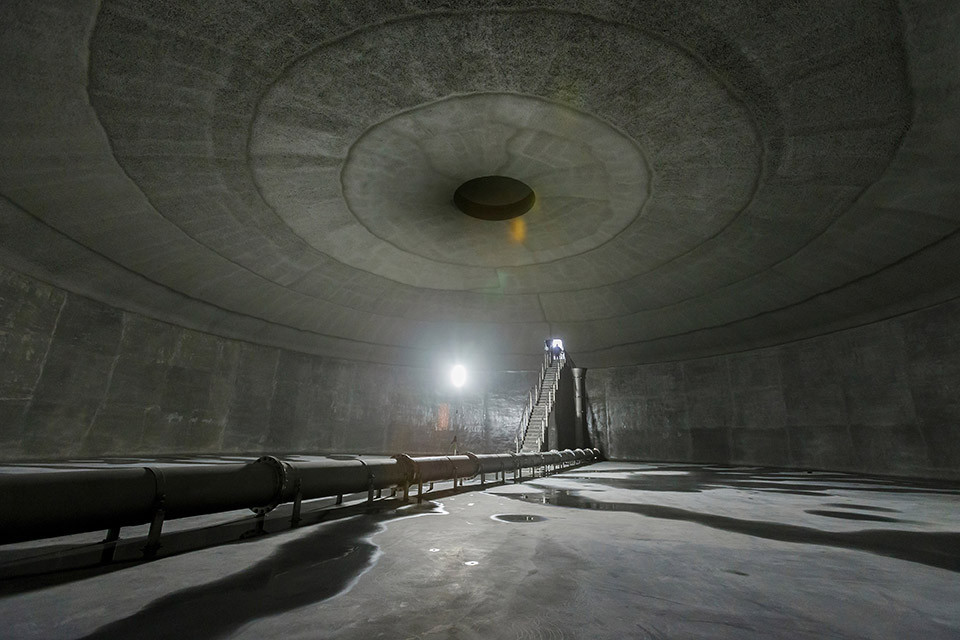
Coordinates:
x,y
876,399
81,378
187,160
611,550
86,379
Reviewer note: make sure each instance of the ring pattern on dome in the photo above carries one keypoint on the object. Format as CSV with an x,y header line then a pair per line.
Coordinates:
x,y
590,181
241,137
494,198
388,210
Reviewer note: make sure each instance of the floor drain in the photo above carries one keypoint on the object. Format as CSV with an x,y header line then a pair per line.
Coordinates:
x,y
517,517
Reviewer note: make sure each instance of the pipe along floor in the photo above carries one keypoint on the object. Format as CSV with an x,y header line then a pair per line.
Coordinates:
x,y
611,550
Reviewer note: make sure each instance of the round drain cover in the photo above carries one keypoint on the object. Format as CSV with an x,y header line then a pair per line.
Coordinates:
x,y
517,517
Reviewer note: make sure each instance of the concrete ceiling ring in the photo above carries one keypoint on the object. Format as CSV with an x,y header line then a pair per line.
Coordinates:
x,y
424,186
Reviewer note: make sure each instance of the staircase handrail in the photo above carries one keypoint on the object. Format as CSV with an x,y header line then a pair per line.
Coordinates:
x,y
534,398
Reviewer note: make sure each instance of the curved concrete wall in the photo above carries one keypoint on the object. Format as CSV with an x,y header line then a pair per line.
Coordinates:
x,y
882,398
710,176
81,378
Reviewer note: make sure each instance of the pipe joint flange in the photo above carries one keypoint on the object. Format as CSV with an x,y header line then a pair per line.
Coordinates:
x,y
411,469
285,475
160,486
476,460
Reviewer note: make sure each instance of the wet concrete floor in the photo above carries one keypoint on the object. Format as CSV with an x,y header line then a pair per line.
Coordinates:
x,y
612,550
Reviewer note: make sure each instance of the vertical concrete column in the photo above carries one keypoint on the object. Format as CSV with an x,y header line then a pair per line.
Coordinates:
x,y
578,404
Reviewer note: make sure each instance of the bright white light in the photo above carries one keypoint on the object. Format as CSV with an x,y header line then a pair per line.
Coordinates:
x,y
458,375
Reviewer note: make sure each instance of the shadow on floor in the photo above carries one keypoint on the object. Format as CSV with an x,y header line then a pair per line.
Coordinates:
x,y
697,478
936,549
311,568
24,570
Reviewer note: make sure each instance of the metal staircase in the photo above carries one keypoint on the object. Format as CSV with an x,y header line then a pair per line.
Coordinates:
x,y
533,426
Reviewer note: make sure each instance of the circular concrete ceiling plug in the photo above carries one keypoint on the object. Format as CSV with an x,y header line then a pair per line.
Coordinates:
x,y
494,198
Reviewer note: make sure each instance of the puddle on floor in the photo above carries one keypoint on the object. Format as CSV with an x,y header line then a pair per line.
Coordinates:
x,y
859,507
316,566
695,479
933,548
853,515
517,517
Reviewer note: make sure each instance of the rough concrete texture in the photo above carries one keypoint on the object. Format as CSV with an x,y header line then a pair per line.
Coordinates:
x,y
226,167
607,551
589,188
84,379
881,398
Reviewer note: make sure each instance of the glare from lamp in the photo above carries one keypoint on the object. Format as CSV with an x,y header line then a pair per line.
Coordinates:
x,y
458,375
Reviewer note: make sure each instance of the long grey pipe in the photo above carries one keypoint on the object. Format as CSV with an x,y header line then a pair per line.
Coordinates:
x,y
47,504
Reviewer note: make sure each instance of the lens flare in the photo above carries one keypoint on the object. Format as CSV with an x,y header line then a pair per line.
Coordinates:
x,y
518,230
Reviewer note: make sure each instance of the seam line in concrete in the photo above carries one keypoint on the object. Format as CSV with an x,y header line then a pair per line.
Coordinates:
x,y
46,354
109,382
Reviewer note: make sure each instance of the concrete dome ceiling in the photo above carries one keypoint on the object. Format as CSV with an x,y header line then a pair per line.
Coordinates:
x,y
709,176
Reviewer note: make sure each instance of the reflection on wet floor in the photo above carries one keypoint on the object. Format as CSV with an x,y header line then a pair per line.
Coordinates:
x,y
324,562
860,507
853,515
934,548
696,478
451,576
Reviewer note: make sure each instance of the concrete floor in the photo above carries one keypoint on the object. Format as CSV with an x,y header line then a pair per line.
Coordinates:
x,y
612,550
